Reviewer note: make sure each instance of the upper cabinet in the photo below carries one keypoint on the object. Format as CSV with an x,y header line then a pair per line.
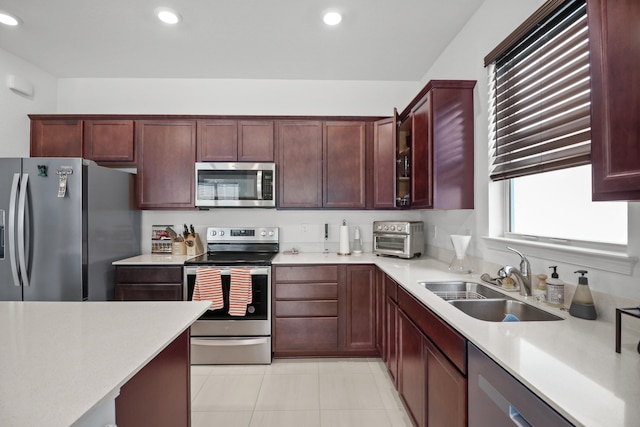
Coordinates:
x,y
442,137
166,159
235,140
322,164
614,54
56,137
109,141
424,158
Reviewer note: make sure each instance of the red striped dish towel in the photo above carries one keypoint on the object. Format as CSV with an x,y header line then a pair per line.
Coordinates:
x,y
240,293
208,287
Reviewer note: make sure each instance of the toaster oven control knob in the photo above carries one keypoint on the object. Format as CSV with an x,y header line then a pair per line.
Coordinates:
x,y
393,228
386,227
399,228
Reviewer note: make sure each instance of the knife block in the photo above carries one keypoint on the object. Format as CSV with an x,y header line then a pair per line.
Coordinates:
x,y
194,245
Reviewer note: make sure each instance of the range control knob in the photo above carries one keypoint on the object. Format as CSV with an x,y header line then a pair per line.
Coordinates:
x,y
263,233
213,232
271,233
221,233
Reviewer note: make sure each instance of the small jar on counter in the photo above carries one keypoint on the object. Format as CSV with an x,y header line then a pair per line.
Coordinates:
x,y
540,291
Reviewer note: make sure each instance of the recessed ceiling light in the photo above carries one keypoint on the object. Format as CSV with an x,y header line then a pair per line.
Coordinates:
x,y
168,16
8,19
332,18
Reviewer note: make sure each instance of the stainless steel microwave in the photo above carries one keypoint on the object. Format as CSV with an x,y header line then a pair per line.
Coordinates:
x,y
236,185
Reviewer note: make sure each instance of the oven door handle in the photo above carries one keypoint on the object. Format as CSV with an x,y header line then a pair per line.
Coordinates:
x,y
226,271
221,342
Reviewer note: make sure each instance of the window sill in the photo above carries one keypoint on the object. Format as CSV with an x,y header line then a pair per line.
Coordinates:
x,y
616,262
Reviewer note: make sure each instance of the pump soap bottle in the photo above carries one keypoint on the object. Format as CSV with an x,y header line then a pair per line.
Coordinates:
x,y
582,302
555,289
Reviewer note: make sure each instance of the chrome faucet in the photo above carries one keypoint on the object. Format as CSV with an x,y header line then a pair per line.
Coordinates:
x,y
523,275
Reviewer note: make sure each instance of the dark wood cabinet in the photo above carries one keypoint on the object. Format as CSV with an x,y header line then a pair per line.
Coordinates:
x,y
166,162
324,310
432,366
615,99
391,328
148,283
361,308
109,141
56,138
235,140
299,167
380,315
306,310
322,164
384,163
344,163
411,368
435,145
159,394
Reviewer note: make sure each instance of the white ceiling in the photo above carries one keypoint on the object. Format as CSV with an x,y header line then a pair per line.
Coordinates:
x,y
394,40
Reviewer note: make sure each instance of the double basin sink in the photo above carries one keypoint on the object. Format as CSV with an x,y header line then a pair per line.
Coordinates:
x,y
482,302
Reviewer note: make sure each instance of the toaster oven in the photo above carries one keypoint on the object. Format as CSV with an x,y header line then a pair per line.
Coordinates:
x,y
402,239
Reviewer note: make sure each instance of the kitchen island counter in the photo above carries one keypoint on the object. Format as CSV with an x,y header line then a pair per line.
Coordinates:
x,y
62,361
571,364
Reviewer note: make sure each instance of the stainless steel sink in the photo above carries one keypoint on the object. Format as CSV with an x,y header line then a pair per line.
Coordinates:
x,y
456,290
495,310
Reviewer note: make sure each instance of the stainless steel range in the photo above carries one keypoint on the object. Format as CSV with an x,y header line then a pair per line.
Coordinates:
x,y
229,333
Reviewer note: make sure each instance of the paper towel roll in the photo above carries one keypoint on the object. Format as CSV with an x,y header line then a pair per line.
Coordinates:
x,y
344,240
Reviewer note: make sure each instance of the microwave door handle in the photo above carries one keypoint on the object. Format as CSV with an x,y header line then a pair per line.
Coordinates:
x,y
259,184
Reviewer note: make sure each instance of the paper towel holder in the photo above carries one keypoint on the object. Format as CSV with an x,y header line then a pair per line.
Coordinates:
x,y
344,246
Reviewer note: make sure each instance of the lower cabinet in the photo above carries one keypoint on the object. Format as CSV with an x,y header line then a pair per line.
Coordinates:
x,y
391,328
148,283
323,310
496,398
159,394
431,366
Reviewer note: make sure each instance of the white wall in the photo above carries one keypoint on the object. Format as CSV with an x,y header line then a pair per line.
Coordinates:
x,y
463,59
234,97
14,123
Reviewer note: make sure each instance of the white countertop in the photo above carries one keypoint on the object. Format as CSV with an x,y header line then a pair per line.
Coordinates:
x,y
154,259
571,364
60,360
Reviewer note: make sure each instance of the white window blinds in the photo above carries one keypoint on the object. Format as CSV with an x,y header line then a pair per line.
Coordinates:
x,y
540,96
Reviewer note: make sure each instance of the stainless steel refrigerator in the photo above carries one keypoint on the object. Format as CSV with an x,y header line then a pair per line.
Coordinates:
x,y
63,221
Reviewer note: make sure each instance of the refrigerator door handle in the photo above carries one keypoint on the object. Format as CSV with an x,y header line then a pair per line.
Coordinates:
x,y
12,228
22,206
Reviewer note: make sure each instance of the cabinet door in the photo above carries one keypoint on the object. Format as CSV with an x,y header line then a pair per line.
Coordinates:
x,y
411,368
109,141
361,308
422,154
615,99
344,165
299,167
391,338
255,141
217,141
384,163
446,391
166,158
56,138
380,315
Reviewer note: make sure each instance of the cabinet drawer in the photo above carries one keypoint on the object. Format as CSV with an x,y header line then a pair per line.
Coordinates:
x,y
315,333
319,273
323,291
148,292
306,309
451,343
149,274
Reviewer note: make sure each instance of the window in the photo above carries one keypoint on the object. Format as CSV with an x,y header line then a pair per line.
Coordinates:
x,y
540,130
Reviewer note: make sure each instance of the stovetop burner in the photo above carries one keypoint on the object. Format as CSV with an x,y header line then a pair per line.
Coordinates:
x,y
227,246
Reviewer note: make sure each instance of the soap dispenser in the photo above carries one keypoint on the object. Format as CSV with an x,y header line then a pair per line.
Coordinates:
x,y
555,289
582,302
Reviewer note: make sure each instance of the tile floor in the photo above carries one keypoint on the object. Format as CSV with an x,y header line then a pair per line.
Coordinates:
x,y
296,392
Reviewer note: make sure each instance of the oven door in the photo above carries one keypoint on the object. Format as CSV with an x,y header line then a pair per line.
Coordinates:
x,y
219,323
391,244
